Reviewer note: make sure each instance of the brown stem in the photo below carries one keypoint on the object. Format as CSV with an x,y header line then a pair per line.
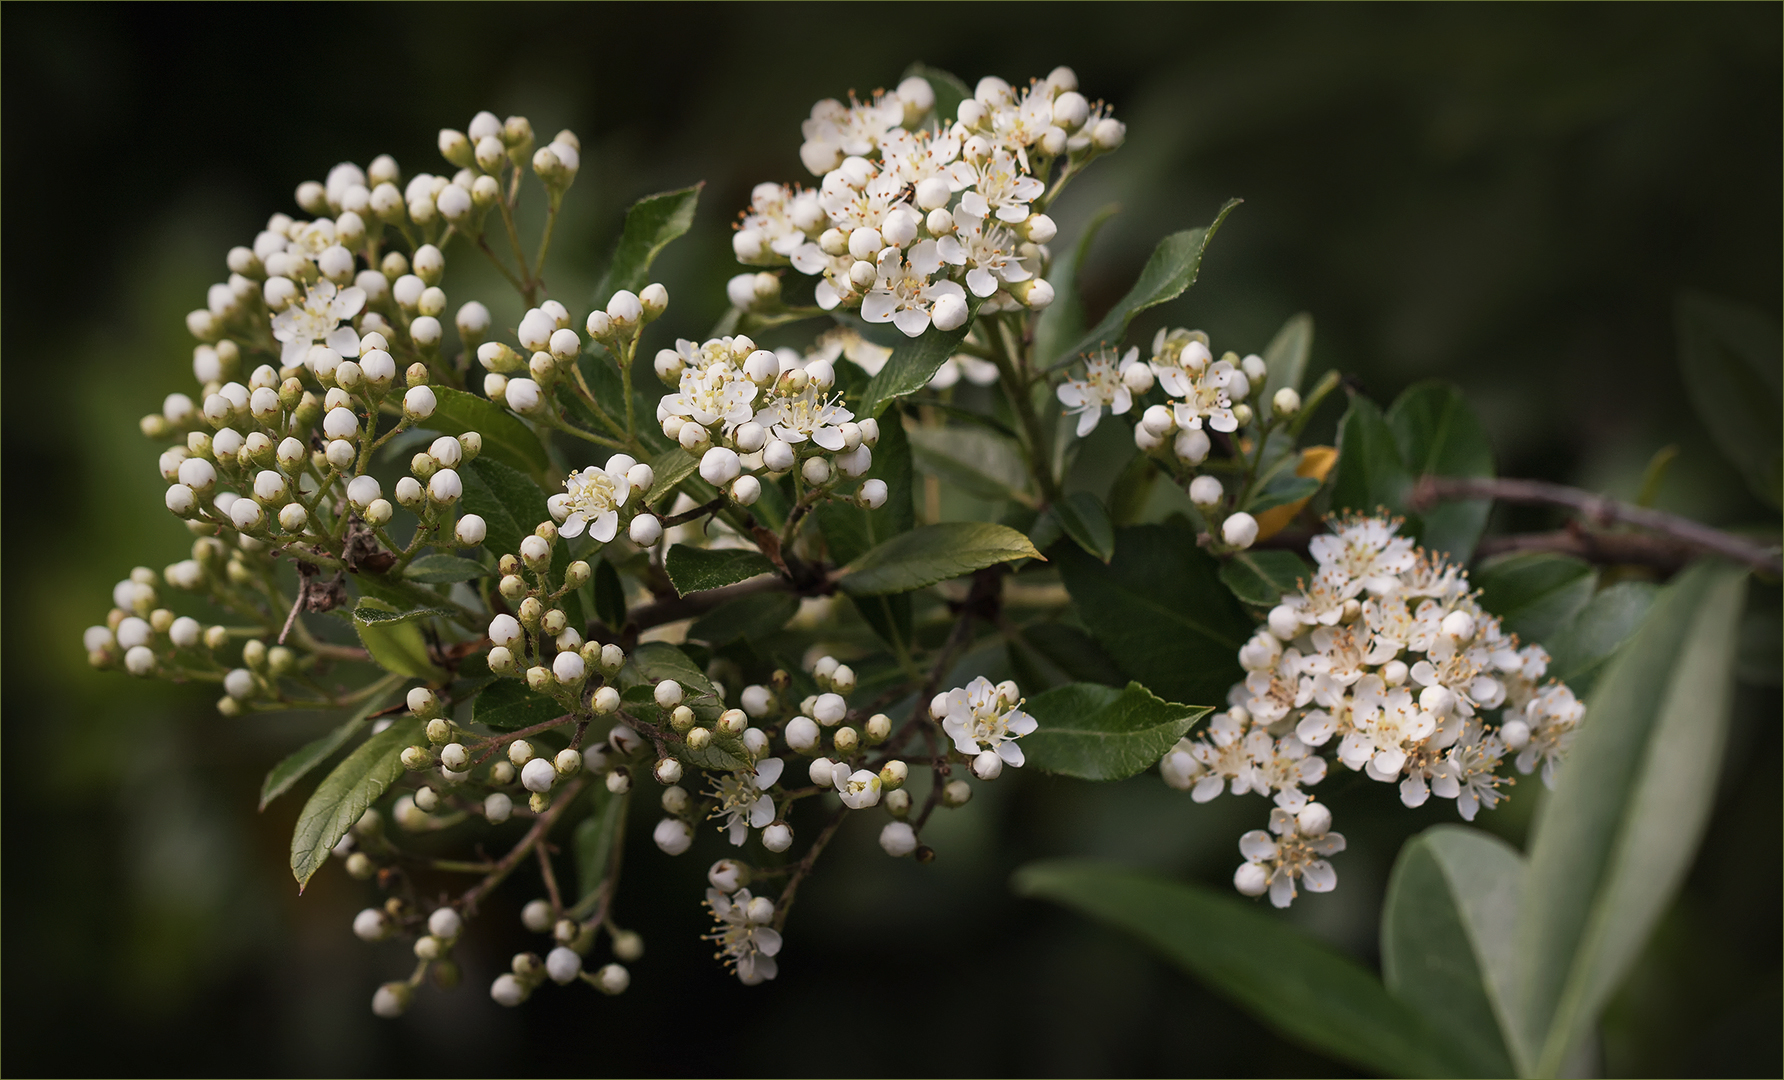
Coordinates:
x,y
551,885
1602,511
785,903
489,747
1616,549
508,862
686,516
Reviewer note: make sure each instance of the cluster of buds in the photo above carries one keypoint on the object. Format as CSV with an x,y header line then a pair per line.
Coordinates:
x,y
487,149
1386,661
565,962
915,211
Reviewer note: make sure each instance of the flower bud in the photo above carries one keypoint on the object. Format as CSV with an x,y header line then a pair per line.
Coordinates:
x,y
563,965
778,836
987,765
956,793
1205,491
1251,879
1239,530
646,530
1192,445
898,839
1286,402
392,1000
673,835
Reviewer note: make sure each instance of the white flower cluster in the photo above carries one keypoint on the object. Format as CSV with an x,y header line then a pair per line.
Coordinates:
x,y
984,720
1386,658
746,411
914,211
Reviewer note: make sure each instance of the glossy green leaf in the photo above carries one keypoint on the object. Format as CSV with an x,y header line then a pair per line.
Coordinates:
x,y
978,461
669,468
441,569
597,843
654,661
345,794
746,617
1075,653
950,91
507,705
651,223
1082,516
933,553
1290,982
914,361
1369,476
506,437
394,640
1536,593
693,569
295,767
1612,843
850,531
1437,434
1285,358
610,595
1260,577
1064,321
1448,939
507,500
1097,732
1283,488
1167,275
1159,609
1579,651
1729,355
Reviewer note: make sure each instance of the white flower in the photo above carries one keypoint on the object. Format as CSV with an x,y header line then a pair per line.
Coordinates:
x,y
835,130
746,941
742,802
809,414
1385,725
1290,856
987,251
982,716
998,186
1101,387
315,321
591,500
903,293
1366,550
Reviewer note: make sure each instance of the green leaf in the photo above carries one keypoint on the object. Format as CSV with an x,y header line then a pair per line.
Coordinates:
x,y
507,500
1581,649
1064,321
651,223
1073,652
443,569
1612,844
850,531
979,462
933,553
1536,593
1083,518
747,617
287,773
653,661
1729,357
345,794
1286,359
693,569
670,468
610,595
1300,987
914,361
1369,475
1437,434
596,840
1159,609
1097,732
1261,577
1448,940
393,639
1167,274
950,91
1284,488
507,705
506,438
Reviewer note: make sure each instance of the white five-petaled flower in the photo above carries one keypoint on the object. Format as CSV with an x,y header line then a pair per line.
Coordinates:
x,y
1290,855
1385,726
809,414
746,941
1367,550
835,131
742,800
989,253
997,186
904,293
714,393
984,716
1100,388
591,500
316,319
1200,396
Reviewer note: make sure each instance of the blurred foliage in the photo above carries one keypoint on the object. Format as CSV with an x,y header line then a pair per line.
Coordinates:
x,y
1509,198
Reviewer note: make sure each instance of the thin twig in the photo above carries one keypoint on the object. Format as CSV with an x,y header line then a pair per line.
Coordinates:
x,y
1603,512
508,862
551,885
785,903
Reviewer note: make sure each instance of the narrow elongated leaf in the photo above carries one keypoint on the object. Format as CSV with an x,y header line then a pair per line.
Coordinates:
x,y
1159,609
693,569
507,705
1167,275
1293,984
1286,359
980,462
345,794
1260,578
596,841
1097,732
746,617
651,223
506,437
1370,475
1083,518
914,362
1448,939
670,468
851,531
1063,321
1579,651
443,569
1613,842
1729,356
287,773
933,553
393,639
1438,435
1536,593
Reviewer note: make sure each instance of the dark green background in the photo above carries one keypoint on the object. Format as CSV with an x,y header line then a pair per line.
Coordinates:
x,y
1509,197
